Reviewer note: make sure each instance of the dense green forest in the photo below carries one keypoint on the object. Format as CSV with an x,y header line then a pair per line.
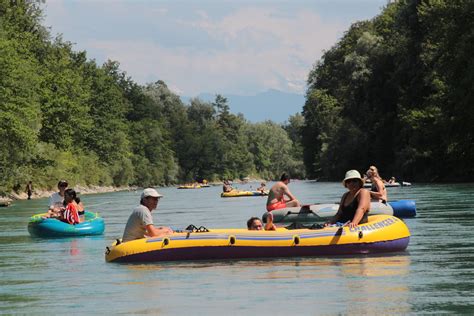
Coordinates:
x,y
395,91
398,92
64,116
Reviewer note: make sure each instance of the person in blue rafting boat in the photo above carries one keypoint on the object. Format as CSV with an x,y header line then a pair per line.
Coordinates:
x,y
378,192
354,204
80,208
56,200
140,223
70,213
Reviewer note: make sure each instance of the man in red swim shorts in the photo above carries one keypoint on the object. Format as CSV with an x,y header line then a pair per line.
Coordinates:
x,y
276,197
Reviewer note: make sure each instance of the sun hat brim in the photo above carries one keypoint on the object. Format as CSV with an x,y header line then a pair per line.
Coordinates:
x,y
352,174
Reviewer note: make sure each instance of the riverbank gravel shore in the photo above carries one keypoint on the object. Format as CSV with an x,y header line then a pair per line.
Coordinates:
x,y
39,194
93,189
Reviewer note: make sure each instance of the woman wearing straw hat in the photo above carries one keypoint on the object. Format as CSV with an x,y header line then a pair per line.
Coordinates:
x,y
355,203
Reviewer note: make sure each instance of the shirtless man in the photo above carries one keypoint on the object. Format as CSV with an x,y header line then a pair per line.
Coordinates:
x,y
276,197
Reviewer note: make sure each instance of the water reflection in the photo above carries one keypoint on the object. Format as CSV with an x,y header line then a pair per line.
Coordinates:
x,y
386,264
375,266
373,281
367,284
74,249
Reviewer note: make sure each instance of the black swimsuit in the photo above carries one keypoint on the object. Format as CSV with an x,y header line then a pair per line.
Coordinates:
x,y
375,188
348,211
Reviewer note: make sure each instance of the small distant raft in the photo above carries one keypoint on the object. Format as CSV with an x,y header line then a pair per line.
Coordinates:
x,y
381,234
189,187
390,185
51,227
236,193
322,212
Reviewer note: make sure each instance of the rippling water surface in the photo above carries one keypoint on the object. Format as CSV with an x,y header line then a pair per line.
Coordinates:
x,y
70,276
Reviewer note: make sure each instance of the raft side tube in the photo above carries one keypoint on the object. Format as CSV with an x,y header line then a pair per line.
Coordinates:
x,y
54,228
403,208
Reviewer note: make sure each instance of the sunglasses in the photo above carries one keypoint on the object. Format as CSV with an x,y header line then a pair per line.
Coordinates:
x,y
352,180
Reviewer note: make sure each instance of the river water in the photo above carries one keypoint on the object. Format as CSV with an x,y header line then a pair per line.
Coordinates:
x,y
70,276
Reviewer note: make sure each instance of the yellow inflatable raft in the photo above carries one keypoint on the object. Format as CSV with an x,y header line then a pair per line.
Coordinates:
x,y
237,193
189,187
383,233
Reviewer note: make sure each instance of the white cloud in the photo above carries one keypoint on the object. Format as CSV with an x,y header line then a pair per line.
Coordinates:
x,y
195,47
259,49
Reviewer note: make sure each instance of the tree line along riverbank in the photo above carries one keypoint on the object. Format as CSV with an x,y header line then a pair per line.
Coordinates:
x,y
394,91
64,116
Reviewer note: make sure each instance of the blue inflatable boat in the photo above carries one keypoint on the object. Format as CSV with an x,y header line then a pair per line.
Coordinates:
x,y
51,227
403,208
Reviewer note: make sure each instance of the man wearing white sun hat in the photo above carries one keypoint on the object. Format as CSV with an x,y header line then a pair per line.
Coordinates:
x,y
140,223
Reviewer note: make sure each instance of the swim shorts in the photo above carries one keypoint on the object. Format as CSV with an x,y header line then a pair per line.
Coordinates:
x,y
276,205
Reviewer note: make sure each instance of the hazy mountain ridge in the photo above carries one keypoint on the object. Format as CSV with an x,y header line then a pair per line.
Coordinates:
x,y
272,104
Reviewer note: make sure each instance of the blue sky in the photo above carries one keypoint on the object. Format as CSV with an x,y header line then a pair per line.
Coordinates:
x,y
227,47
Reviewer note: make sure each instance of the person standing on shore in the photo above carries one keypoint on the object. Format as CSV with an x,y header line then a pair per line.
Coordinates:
x,y
276,197
29,189
140,223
